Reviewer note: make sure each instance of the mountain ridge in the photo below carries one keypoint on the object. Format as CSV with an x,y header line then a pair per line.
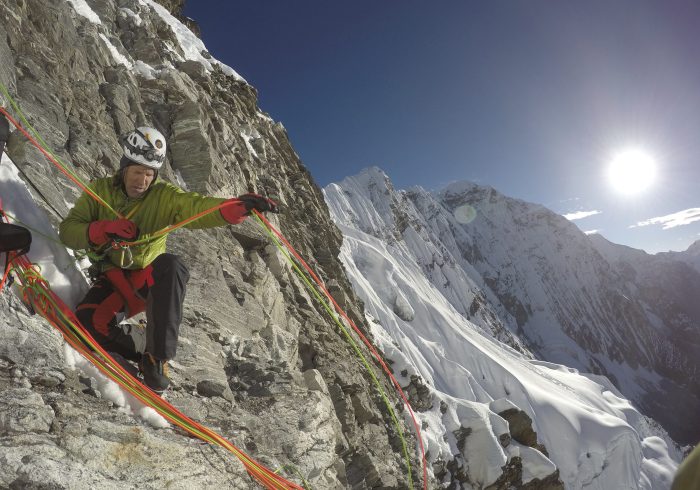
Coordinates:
x,y
569,297
401,252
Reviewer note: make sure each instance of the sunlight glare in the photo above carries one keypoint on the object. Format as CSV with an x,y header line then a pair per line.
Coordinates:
x,y
632,171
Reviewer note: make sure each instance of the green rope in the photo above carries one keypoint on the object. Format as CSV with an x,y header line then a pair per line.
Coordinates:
x,y
295,471
75,335
349,338
115,373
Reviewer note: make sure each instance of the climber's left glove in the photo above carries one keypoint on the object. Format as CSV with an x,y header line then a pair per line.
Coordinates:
x,y
237,209
259,203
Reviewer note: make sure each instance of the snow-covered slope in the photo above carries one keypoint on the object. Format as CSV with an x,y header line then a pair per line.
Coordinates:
x,y
419,271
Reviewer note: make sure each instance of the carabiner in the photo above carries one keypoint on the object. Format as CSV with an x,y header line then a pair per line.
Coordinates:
x,y
125,258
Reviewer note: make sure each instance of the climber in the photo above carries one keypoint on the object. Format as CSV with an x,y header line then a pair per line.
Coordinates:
x,y
142,277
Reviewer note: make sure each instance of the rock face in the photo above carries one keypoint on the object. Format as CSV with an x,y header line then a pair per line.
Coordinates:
x,y
259,360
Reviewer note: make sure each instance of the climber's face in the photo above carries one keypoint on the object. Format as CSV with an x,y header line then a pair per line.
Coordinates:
x,y
137,179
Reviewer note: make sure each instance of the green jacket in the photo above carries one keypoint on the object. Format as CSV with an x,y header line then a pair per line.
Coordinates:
x,y
688,475
162,205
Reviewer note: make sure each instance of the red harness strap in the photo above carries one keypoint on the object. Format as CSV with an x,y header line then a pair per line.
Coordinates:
x,y
127,287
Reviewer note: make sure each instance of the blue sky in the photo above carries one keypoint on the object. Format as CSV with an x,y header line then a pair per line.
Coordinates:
x,y
530,97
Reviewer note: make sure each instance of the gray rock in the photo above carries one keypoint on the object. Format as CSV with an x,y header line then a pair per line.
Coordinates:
x,y
210,388
520,425
418,394
22,411
314,381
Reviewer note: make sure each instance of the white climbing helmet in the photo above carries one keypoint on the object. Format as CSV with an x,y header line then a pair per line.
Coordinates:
x,y
145,146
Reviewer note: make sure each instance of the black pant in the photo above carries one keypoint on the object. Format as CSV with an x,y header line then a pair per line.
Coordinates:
x,y
163,288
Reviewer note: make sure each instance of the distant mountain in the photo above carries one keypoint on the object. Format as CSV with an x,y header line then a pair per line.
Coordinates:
x,y
522,275
609,310
691,256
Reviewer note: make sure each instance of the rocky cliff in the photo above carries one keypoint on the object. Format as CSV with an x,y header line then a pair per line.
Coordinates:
x,y
258,360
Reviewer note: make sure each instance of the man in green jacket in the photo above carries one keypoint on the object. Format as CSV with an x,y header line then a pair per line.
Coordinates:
x,y
142,277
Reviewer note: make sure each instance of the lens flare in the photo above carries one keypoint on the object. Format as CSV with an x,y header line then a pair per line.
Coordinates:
x,y
465,214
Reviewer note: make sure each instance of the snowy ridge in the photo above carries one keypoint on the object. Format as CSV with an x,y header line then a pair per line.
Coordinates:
x,y
594,436
190,47
612,310
368,202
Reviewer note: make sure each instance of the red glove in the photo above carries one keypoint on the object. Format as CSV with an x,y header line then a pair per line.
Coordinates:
x,y
100,232
235,212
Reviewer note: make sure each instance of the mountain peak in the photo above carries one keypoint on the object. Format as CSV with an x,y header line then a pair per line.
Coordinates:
x,y
694,248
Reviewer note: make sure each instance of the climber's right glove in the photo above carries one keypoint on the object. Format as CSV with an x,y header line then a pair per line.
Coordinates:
x,y
101,232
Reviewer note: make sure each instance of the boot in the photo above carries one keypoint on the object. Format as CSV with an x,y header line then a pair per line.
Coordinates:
x,y
155,373
124,363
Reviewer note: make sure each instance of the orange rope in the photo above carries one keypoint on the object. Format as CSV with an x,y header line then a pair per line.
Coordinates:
x,y
47,303
104,362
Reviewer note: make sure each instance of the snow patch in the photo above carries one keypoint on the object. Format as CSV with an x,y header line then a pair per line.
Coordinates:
x,y
82,8
191,45
145,70
118,57
535,464
250,134
403,308
57,266
127,12
112,391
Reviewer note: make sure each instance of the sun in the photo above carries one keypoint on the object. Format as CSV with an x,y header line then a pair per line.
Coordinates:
x,y
632,171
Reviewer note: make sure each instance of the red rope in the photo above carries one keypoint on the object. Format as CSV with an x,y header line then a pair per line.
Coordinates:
x,y
281,237
362,336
